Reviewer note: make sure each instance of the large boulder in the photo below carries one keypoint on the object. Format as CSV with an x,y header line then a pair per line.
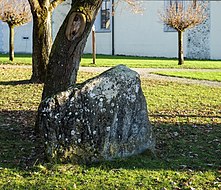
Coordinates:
x,y
101,119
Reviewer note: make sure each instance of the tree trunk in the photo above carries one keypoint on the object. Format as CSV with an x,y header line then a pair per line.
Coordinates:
x,y
11,42
180,50
42,42
69,45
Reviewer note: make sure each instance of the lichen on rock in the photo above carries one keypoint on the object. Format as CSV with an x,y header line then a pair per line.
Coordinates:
x,y
101,119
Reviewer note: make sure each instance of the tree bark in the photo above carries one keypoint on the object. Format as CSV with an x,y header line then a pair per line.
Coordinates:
x,y
11,42
69,45
180,48
42,42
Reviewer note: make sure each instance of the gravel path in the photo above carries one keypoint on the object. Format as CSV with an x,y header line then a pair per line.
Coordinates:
x,y
146,73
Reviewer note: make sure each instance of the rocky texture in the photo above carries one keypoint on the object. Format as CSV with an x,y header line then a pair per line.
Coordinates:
x,y
198,39
102,119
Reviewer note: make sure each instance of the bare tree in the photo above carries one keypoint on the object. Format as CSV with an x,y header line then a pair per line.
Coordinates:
x,y
181,17
14,13
133,5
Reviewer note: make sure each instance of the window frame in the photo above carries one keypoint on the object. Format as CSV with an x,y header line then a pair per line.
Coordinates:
x,y
106,6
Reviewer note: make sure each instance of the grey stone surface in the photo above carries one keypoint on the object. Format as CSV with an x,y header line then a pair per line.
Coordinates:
x,y
198,39
101,119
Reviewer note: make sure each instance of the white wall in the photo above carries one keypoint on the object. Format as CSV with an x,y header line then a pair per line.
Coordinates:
x,y
58,16
21,45
135,34
215,35
143,35
103,43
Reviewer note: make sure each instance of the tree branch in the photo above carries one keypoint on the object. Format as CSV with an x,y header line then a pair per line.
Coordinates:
x,y
55,3
34,4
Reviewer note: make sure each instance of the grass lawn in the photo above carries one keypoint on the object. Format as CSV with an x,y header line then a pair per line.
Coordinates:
x,y
144,62
20,59
212,76
187,125
130,61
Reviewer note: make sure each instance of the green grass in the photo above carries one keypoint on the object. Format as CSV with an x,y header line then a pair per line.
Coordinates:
x,y
187,125
20,59
130,61
145,62
212,76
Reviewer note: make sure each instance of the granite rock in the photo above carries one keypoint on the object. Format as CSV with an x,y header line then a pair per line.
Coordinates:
x,y
103,118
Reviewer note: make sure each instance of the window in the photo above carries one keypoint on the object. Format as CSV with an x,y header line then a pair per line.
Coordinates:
x,y
105,15
103,20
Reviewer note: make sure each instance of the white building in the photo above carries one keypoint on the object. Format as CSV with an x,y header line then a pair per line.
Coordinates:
x,y
128,33
23,38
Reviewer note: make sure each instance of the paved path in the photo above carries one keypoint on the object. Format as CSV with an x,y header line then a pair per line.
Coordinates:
x,y
146,73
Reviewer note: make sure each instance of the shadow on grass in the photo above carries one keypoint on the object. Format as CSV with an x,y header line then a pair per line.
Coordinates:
x,y
16,55
178,147
18,142
14,83
184,116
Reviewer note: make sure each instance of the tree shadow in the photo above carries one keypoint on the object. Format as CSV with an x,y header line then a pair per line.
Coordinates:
x,y
19,145
180,146
14,83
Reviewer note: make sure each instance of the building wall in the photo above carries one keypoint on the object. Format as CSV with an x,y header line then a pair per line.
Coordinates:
x,y
135,34
215,33
103,43
1,36
198,38
143,34
23,38
59,15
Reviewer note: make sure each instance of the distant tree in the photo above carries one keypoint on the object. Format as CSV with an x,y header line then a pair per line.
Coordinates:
x,y
133,5
14,13
181,17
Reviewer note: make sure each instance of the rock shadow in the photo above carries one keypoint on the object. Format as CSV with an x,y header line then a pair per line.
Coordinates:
x,y
19,146
179,146
14,83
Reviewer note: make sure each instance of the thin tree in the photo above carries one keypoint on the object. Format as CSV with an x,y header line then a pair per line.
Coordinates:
x,y
181,17
14,13
42,36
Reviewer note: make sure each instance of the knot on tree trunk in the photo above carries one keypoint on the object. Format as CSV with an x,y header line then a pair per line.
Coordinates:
x,y
76,25
101,119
